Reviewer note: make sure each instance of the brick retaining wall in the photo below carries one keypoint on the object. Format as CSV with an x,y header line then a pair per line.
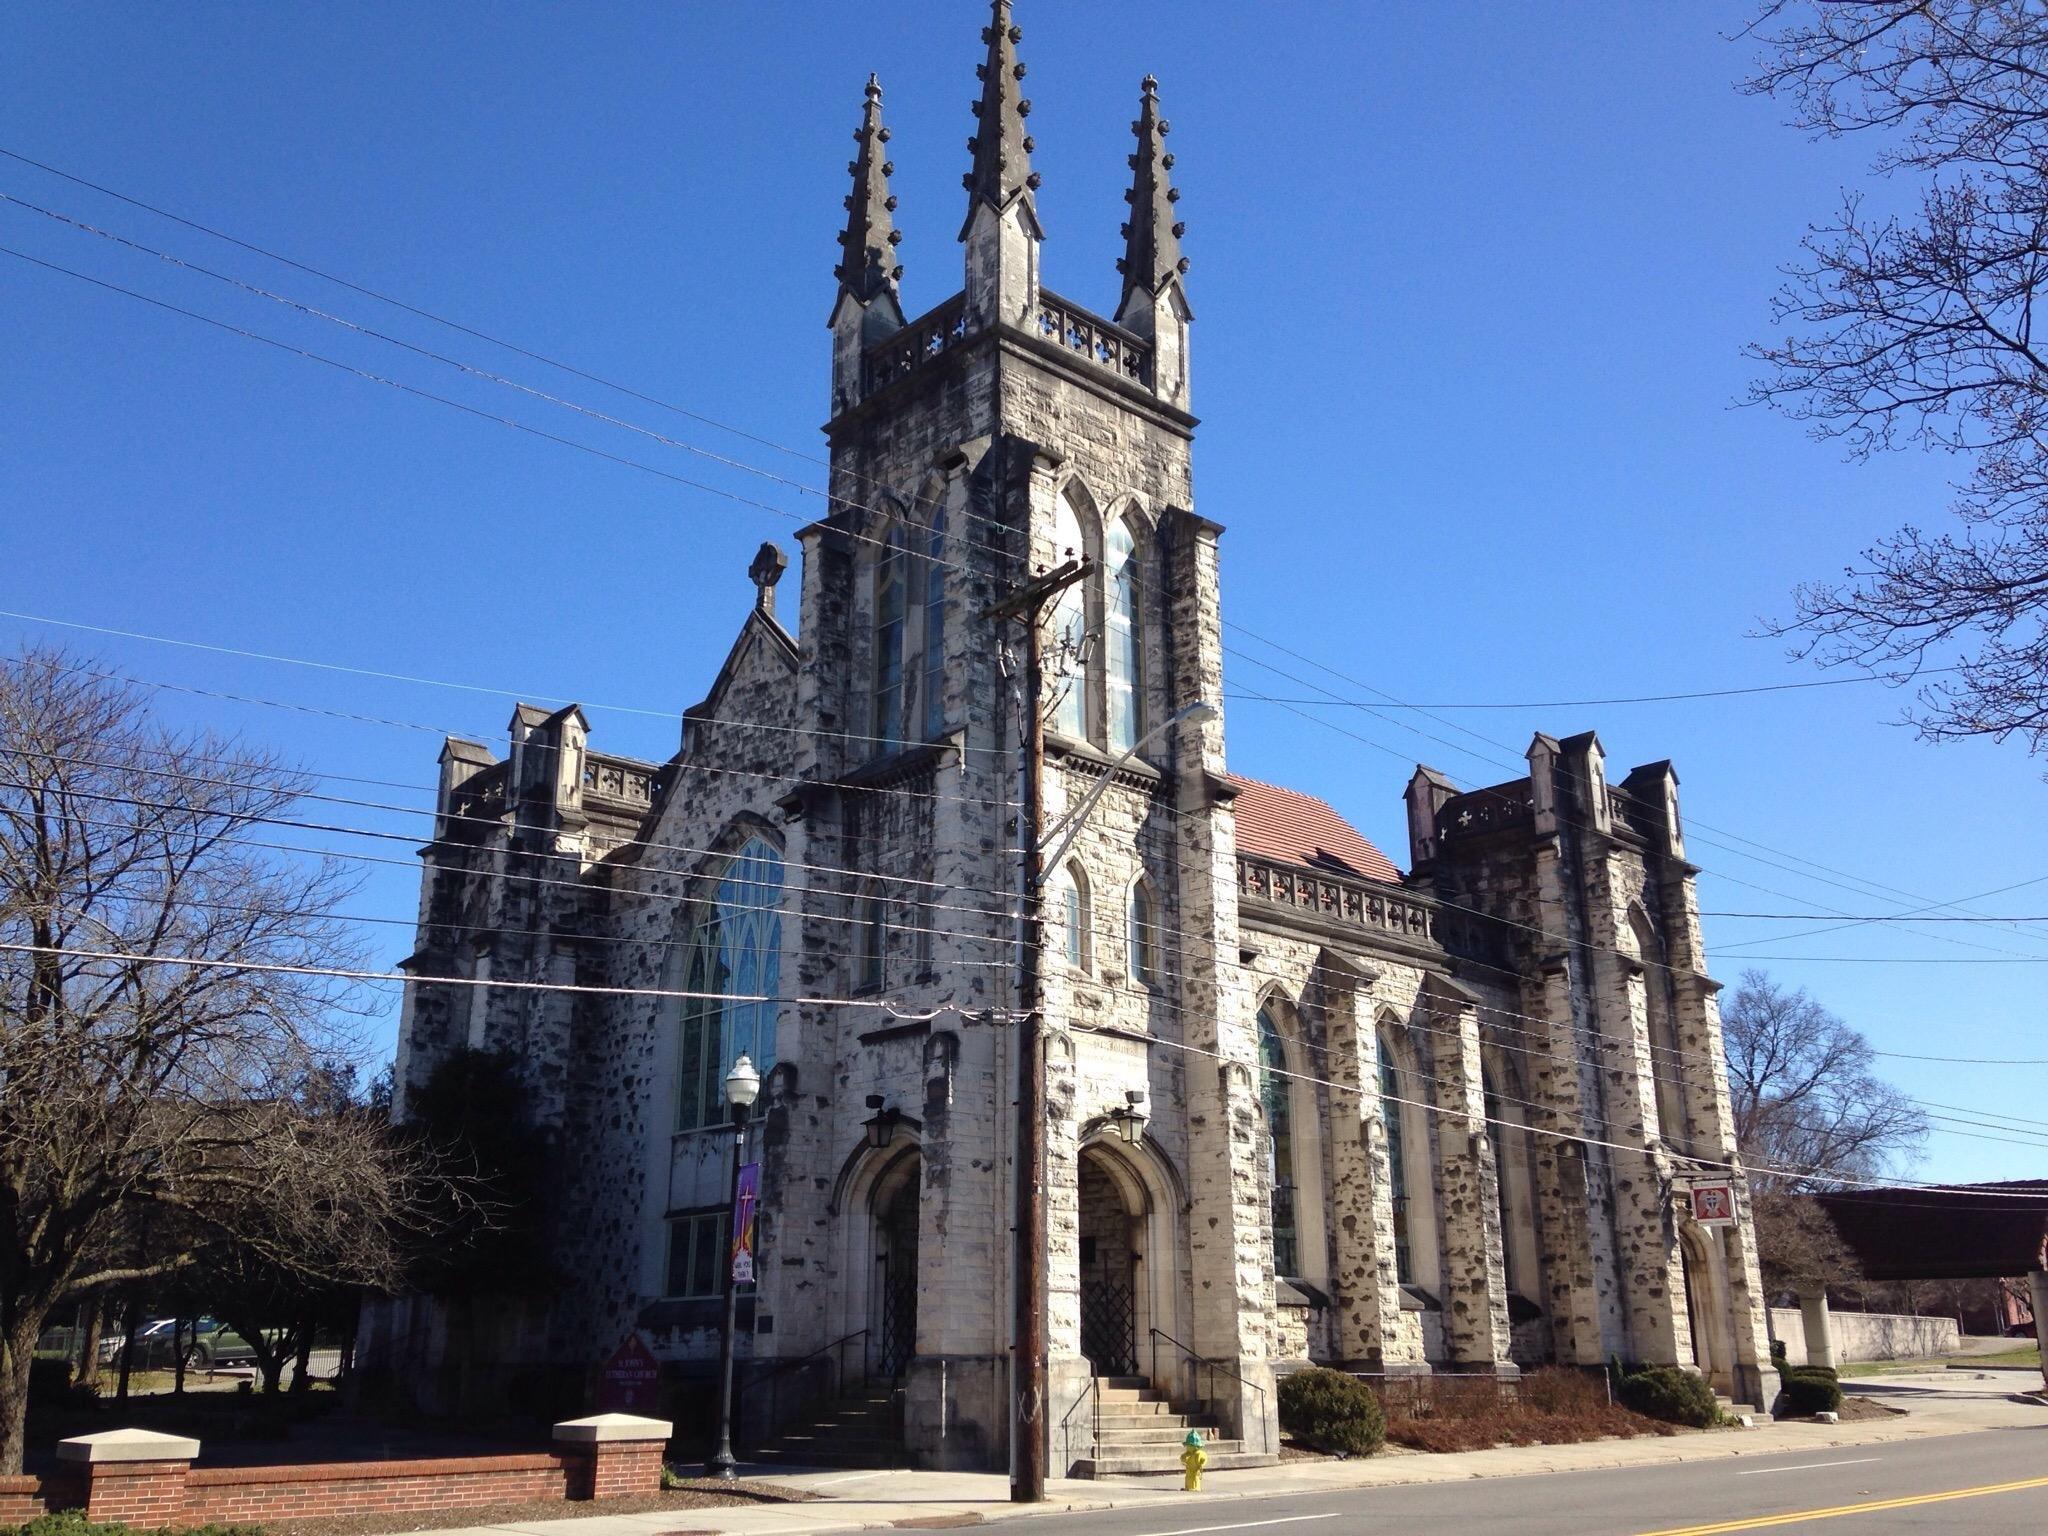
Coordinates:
x,y
21,1499
147,1480
232,1495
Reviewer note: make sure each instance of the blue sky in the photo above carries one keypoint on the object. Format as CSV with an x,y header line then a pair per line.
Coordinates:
x,y
1471,285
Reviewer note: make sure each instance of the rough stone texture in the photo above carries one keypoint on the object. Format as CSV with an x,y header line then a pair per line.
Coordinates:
x,y
1543,959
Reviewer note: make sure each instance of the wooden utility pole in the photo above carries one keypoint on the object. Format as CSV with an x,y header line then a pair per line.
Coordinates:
x,y
1028,1369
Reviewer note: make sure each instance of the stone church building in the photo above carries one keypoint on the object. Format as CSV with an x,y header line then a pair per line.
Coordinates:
x,y
1304,1104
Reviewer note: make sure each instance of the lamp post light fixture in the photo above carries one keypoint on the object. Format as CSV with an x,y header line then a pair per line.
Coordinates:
x,y
742,1087
1130,1120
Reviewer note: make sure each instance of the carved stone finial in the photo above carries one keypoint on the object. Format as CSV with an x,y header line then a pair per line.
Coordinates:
x,y
1002,151
769,564
867,260
1152,255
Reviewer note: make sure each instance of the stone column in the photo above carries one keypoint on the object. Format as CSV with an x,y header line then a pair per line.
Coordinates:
x,y
612,1455
133,1476
1820,1335
2039,1279
1475,1316
1368,1290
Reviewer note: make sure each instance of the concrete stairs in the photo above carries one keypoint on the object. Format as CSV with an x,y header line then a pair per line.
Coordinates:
x,y
1738,1411
862,1429
1140,1433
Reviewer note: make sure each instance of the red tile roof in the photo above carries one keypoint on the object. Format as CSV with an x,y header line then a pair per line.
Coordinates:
x,y
1285,824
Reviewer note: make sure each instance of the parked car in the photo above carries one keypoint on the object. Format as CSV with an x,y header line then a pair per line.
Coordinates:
x,y
208,1343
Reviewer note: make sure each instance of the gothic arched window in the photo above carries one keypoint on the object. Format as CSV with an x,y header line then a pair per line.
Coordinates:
x,y
874,939
1070,899
1276,1094
1507,1129
1397,1163
891,604
1067,640
1124,675
935,625
1141,934
735,965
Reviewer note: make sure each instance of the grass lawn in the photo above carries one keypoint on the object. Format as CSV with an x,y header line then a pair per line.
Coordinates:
x,y
2026,1355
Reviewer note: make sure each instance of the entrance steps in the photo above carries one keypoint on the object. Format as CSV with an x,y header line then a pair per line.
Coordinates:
x,y
862,1429
1139,1433
1734,1410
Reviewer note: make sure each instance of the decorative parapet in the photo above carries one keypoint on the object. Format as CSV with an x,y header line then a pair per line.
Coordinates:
x,y
1481,811
1101,341
1391,911
621,779
1063,324
902,354
480,797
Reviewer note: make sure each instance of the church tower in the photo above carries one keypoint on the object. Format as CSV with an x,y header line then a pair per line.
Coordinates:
x,y
975,445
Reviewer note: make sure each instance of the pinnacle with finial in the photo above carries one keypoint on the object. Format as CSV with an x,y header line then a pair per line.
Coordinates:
x,y
1152,255
1001,148
867,258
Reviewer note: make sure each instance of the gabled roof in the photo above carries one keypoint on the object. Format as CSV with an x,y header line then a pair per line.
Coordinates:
x,y
1285,824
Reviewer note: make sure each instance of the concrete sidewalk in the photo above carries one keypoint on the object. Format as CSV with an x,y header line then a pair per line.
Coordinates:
x,y
1937,1404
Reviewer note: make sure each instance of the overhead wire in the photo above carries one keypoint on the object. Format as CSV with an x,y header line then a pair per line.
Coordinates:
x,y
1390,700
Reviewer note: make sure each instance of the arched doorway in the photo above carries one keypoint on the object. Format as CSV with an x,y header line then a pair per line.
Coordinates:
x,y
1110,1231
1706,1311
892,1303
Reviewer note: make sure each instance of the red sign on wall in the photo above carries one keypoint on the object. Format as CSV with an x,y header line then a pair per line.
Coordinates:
x,y
1713,1205
631,1380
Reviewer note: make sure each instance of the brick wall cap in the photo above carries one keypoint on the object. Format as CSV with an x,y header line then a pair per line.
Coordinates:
x,y
127,1445
604,1428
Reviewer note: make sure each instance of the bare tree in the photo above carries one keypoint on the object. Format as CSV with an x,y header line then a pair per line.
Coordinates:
x,y
132,1081
1913,325
1805,1097
1798,1246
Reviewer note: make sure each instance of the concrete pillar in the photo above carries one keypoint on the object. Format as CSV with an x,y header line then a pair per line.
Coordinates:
x,y
612,1455
132,1476
1820,1334
2040,1283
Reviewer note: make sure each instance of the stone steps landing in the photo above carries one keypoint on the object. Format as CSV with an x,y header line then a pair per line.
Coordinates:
x,y
1140,1433
862,1430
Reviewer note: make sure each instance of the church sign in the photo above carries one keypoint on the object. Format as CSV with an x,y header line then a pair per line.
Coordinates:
x,y
631,1380
1713,1205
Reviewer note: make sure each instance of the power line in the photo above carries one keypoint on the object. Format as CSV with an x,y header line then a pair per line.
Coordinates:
x,y
365,291
1641,698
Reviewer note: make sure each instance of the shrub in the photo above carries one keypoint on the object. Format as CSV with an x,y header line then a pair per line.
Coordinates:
x,y
1807,1392
1668,1393
1330,1411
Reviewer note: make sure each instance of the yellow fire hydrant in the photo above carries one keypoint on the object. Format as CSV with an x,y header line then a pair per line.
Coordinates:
x,y
1193,1458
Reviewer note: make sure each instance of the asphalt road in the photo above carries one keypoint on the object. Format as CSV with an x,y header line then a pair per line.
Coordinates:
x,y
1994,1482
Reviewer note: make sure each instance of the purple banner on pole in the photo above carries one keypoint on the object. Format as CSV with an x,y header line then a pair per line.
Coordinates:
x,y
745,1199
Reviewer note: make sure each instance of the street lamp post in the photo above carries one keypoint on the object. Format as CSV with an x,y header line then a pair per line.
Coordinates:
x,y
742,1087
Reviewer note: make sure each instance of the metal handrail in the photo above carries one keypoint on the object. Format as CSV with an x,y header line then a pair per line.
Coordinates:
x,y
1213,1366
769,1381
1093,1396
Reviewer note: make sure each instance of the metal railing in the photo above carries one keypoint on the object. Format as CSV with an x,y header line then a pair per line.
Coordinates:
x,y
1197,1363
773,1383
1093,1397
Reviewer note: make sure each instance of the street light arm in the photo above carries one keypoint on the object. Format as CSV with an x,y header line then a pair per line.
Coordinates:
x,y
1068,827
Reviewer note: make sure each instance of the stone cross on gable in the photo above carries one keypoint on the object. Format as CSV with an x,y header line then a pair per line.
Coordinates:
x,y
766,571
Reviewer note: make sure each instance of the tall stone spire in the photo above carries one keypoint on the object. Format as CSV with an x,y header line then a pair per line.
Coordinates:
x,y
867,259
1152,255
1002,149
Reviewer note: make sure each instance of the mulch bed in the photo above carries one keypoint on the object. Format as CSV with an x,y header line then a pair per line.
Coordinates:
x,y
696,1493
